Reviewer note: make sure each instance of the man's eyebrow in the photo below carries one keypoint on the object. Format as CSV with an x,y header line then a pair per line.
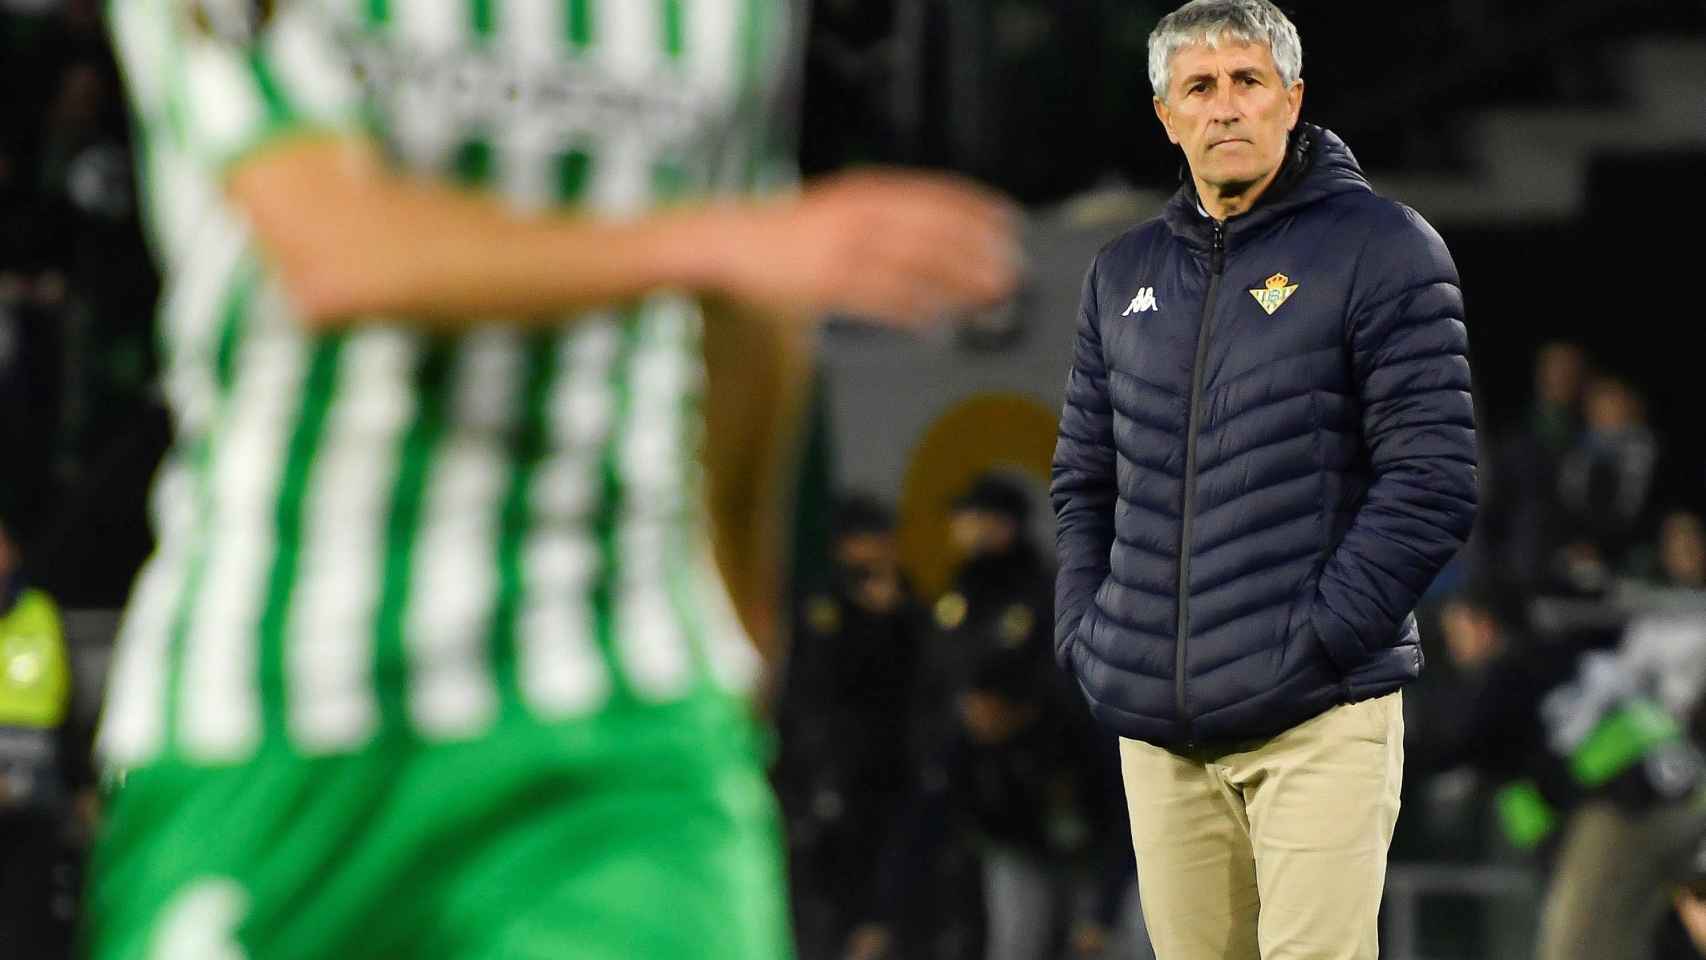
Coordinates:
x,y
1236,73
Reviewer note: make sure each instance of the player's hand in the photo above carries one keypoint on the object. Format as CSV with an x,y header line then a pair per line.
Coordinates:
x,y
895,247
1692,911
869,941
1089,939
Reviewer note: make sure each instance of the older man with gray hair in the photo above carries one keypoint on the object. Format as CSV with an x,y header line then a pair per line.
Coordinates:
x,y
1266,455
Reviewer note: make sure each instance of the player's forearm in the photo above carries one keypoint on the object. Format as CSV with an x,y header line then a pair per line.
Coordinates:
x,y
354,241
377,245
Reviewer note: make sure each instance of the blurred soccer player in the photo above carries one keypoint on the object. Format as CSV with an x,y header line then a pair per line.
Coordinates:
x,y
434,657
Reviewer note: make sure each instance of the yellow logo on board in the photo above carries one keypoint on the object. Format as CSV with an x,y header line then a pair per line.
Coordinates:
x,y
1278,290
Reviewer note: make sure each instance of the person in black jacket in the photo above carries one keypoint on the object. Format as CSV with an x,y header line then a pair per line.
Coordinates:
x,y
1266,455
845,727
1522,516
1011,762
1606,488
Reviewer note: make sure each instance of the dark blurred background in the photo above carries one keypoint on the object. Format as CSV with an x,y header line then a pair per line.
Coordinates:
x,y
1556,144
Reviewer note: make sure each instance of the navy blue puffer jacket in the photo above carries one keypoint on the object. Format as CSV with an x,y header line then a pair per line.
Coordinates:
x,y
1266,455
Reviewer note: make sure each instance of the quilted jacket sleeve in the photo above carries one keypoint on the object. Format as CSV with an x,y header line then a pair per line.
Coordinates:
x,y
1409,359
1083,487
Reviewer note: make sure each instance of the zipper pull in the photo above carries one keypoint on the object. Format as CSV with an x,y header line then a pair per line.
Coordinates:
x,y
1219,245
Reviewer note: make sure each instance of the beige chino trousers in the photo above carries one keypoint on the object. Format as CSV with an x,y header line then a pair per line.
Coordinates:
x,y
1270,849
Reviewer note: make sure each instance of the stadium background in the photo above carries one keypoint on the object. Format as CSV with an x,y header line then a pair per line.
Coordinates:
x,y
1556,144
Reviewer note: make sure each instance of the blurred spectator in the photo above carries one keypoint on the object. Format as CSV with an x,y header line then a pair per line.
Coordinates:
x,y
1664,644
1555,418
106,281
1606,484
1682,551
1597,777
1015,763
1677,561
80,430
1666,652
1521,484
43,765
76,285
75,118
844,722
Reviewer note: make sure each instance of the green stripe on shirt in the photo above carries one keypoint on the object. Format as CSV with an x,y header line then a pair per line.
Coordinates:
x,y
515,519
415,455
319,387
482,16
607,517
529,447
232,326
579,23
201,457
473,162
573,169
673,28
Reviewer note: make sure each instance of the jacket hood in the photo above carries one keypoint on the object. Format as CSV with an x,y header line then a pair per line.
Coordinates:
x,y
1317,165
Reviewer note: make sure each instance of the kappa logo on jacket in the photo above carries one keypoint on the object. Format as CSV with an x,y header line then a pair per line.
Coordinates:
x,y
1144,301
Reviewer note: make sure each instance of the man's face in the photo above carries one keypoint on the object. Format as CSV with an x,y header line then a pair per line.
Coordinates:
x,y
1611,406
1470,636
1227,109
976,532
872,560
1683,550
1558,374
991,718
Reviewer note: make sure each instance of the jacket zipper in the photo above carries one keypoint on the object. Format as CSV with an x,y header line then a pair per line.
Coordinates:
x,y
1217,263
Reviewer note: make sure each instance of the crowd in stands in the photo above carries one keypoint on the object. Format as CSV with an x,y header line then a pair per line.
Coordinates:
x,y
80,428
1569,648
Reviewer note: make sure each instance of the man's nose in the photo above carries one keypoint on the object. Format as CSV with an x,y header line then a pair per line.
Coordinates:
x,y
1224,109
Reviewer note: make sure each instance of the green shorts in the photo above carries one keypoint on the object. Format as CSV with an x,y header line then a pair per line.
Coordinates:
x,y
534,843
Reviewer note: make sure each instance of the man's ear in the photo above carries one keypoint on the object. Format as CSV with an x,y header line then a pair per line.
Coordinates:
x,y
1295,95
1165,115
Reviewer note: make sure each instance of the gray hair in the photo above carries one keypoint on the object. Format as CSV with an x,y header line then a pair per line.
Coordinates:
x,y
1209,21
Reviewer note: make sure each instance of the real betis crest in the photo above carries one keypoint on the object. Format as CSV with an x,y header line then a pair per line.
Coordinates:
x,y
1277,291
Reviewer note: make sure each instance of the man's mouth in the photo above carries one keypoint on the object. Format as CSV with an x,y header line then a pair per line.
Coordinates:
x,y
1222,143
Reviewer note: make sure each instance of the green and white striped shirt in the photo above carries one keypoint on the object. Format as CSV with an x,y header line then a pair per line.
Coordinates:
x,y
382,533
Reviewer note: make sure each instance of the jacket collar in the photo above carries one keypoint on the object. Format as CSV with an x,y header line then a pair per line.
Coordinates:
x,y
1317,165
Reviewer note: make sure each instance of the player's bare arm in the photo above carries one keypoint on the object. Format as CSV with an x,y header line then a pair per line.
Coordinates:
x,y
354,241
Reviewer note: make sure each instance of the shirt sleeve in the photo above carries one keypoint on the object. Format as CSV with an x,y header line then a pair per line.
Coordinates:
x,y
1409,352
1082,485
222,78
